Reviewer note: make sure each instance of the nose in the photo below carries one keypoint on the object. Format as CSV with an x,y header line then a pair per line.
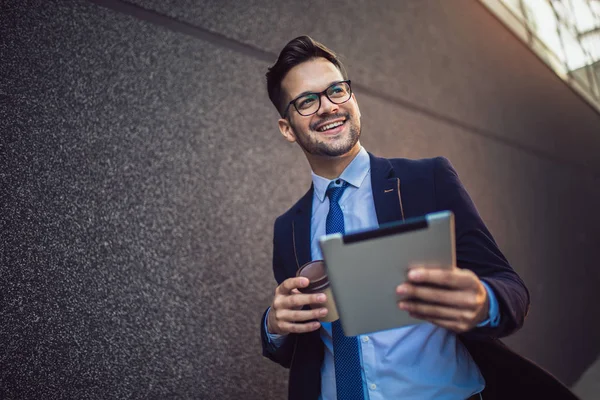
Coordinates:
x,y
327,106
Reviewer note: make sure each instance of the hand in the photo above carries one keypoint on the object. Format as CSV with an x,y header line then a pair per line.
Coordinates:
x,y
454,298
286,315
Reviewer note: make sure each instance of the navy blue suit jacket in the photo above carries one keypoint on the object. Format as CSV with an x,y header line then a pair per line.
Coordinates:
x,y
402,189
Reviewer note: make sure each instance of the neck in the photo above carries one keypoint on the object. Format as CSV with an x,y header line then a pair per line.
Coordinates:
x,y
332,167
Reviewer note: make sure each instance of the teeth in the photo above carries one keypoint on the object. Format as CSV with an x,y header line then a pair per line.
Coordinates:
x,y
330,126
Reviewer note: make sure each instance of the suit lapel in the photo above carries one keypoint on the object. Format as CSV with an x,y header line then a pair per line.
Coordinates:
x,y
301,229
386,191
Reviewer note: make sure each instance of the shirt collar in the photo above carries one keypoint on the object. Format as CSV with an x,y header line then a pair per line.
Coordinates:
x,y
354,174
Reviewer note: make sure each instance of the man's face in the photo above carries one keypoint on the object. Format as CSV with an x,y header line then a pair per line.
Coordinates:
x,y
315,76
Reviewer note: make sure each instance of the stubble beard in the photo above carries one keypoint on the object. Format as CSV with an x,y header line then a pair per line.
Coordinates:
x,y
312,145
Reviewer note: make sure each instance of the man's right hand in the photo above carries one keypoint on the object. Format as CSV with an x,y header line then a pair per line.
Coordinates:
x,y
286,314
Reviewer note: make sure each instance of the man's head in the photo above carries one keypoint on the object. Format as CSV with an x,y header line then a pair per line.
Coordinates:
x,y
308,86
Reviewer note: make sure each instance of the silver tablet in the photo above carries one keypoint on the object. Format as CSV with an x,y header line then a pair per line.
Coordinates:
x,y
364,268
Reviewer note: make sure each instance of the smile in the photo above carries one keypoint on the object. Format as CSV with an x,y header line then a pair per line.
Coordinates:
x,y
330,126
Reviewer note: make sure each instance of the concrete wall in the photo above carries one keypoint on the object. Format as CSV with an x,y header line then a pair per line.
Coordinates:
x,y
141,170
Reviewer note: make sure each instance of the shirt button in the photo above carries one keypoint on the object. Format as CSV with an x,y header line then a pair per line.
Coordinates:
x,y
373,386
365,339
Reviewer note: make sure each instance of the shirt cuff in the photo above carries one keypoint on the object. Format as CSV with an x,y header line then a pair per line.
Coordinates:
x,y
274,339
493,319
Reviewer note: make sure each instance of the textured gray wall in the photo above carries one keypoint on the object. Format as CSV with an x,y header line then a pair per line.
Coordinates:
x,y
141,170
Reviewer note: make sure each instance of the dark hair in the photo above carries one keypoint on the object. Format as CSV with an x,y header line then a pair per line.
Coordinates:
x,y
297,51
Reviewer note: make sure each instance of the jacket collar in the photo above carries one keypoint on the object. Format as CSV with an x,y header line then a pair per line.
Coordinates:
x,y
301,228
385,184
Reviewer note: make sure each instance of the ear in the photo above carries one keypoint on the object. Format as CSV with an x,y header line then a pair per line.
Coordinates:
x,y
286,130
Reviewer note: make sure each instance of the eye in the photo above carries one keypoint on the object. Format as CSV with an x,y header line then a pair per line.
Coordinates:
x,y
306,101
338,90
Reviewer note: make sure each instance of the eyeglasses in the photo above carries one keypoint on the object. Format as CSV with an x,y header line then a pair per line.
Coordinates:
x,y
309,103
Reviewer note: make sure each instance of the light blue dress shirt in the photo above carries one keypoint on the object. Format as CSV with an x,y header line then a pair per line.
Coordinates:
x,y
418,362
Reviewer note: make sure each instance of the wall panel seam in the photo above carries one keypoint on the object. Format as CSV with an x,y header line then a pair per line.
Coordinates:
x,y
220,40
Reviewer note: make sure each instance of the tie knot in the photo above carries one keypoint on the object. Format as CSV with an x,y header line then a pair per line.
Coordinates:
x,y
335,192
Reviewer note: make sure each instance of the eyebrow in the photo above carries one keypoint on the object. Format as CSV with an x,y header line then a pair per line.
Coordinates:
x,y
309,92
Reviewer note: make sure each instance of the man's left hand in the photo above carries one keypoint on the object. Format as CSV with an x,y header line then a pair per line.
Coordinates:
x,y
453,298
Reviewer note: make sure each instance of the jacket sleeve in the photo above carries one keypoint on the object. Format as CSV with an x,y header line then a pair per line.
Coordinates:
x,y
476,250
283,353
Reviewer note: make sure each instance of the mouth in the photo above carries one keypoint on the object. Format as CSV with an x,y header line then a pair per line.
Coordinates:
x,y
331,127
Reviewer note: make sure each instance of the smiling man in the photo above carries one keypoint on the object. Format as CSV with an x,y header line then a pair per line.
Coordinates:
x,y
452,355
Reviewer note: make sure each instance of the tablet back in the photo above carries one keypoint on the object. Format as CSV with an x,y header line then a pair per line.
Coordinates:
x,y
364,268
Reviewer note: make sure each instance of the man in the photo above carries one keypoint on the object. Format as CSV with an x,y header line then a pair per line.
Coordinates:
x,y
455,353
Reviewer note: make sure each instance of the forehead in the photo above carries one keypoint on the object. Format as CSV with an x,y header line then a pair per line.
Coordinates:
x,y
310,76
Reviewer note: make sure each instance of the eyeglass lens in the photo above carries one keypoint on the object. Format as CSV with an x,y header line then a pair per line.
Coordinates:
x,y
337,93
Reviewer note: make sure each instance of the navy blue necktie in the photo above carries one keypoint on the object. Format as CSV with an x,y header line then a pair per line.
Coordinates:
x,y
348,376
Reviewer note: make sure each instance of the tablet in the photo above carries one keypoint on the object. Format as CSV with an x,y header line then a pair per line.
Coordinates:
x,y
365,267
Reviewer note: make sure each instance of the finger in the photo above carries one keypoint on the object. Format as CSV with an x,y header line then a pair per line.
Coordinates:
x,y
433,311
290,327
296,301
300,315
429,266
452,278
456,298
290,284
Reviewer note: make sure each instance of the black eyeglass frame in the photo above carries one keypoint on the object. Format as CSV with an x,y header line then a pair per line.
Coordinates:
x,y
319,95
